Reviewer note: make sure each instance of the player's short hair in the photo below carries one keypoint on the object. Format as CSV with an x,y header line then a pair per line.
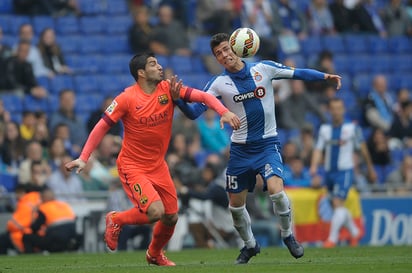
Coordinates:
x,y
139,61
217,39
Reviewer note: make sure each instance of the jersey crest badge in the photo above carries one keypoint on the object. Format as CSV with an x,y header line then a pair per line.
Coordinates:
x,y
163,99
111,107
257,76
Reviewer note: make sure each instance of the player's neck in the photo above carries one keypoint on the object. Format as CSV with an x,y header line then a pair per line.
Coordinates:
x,y
148,87
237,67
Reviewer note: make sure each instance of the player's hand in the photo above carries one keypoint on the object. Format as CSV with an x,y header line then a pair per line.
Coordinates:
x,y
231,119
77,163
313,171
334,79
175,87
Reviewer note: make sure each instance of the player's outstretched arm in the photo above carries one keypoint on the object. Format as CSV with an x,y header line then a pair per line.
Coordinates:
x,y
96,135
315,75
190,94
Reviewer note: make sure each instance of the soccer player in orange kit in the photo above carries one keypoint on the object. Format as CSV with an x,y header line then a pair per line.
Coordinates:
x,y
146,109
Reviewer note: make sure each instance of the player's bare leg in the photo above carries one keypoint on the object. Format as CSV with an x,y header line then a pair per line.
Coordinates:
x,y
282,209
243,225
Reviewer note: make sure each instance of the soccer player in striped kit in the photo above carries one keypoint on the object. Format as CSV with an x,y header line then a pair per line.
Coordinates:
x,y
339,140
246,89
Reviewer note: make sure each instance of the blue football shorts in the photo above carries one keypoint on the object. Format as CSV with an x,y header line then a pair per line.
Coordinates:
x,y
338,183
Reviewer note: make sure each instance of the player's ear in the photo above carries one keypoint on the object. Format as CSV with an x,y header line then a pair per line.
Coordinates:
x,y
141,73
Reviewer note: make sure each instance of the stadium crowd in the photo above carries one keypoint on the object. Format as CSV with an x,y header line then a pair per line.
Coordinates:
x,y
53,92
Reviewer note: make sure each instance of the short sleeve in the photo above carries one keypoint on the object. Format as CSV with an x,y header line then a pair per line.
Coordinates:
x,y
320,143
118,108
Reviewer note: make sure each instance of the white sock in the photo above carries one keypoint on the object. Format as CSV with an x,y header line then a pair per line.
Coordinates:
x,y
339,218
243,225
282,209
350,224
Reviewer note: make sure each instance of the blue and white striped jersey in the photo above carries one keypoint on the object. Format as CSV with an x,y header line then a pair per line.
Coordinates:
x,y
249,94
339,144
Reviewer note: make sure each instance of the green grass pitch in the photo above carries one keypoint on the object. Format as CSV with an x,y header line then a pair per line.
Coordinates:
x,y
344,259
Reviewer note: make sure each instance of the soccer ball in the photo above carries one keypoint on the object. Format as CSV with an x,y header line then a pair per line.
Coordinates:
x,y
244,42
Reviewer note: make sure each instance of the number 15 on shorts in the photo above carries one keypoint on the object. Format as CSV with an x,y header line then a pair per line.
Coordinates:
x,y
231,182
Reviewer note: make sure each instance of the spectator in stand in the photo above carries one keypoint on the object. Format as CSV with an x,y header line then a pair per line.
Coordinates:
x,y
289,151
320,19
26,34
62,131
140,31
305,143
378,147
297,175
5,50
66,114
212,138
34,152
408,9
290,20
396,19
259,15
28,125
89,182
95,116
38,174
400,179
41,134
4,114
215,16
19,76
324,63
295,107
66,185
46,7
169,36
401,127
12,150
403,95
342,16
56,151
51,53
378,106
367,19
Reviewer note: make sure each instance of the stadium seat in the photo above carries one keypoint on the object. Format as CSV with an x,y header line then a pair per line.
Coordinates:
x,y
342,63
31,103
312,45
67,25
43,81
87,102
198,65
60,82
181,64
378,45
87,63
54,103
92,24
5,20
381,64
116,44
298,59
198,80
6,7
163,61
360,63
8,181
333,43
116,63
69,43
119,24
363,84
12,103
16,22
109,84
201,46
400,45
116,7
356,44
85,84
88,7
42,22
401,63
91,44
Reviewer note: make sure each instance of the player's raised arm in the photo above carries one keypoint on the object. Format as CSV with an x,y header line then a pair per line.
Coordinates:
x,y
96,135
191,94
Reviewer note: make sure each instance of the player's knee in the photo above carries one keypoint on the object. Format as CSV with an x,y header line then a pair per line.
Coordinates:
x,y
156,211
170,219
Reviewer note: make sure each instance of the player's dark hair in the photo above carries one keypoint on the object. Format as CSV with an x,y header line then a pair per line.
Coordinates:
x,y
139,61
217,39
